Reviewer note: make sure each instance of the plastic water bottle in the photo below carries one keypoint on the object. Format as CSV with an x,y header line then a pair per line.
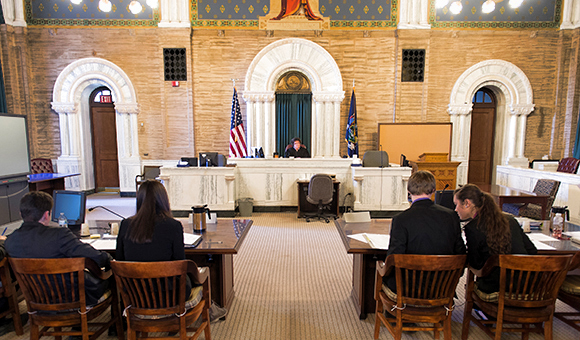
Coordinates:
x,y
62,220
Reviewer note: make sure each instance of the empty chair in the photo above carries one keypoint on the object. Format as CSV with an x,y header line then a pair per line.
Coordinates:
x,y
320,193
154,297
425,289
543,187
149,172
375,159
55,295
41,165
570,294
527,295
8,290
569,165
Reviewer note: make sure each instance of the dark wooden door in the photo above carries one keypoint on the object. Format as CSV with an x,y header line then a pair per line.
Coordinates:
x,y
481,143
105,146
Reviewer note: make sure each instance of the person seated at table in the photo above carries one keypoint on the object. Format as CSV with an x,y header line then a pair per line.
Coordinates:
x,y
36,239
296,149
488,232
425,228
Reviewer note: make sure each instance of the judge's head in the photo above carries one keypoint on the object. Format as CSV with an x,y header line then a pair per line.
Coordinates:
x,y
421,183
36,206
296,143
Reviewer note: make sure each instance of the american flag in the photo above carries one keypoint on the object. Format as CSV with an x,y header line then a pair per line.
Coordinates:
x,y
237,134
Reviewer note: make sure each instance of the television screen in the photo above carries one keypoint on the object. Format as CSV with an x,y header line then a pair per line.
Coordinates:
x,y
72,204
208,159
15,160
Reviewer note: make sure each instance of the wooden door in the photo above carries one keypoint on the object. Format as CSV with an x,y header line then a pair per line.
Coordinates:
x,y
482,136
104,135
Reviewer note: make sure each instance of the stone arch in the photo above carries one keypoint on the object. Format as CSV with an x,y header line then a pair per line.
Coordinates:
x,y
70,100
515,102
312,60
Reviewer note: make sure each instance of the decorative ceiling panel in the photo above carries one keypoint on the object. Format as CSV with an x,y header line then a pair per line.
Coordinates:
x,y
87,13
530,14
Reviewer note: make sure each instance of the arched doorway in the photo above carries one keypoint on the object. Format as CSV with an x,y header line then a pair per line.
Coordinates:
x,y
514,98
316,64
293,110
481,144
104,140
70,95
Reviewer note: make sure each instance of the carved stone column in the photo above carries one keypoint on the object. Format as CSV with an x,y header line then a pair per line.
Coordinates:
x,y
69,160
127,145
517,128
261,121
174,13
461,118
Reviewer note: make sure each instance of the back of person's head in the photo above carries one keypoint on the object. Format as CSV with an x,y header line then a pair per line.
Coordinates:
x,y
493,222
421,183
152,206
34,204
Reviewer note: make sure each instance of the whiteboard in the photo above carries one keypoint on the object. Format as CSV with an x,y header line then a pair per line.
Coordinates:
x,y
414,139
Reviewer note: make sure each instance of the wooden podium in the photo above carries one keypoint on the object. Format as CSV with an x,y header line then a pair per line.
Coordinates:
x,y
445,172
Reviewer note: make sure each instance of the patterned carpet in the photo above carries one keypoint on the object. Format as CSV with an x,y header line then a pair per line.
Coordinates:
x,y
293,281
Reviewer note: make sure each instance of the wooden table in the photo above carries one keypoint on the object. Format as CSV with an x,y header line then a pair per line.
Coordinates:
x,y
364,261
219,243
503,194
47,182
305,206
365,258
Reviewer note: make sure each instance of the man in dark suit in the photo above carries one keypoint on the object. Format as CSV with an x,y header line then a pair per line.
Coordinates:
x,y
425,228
36,239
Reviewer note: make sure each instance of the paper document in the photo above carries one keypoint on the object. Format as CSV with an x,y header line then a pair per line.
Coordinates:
x,y
541,237
573,233
101,244
376,241
542,246
190,239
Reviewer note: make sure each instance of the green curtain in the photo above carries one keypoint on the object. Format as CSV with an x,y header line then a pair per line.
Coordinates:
x,y
293,119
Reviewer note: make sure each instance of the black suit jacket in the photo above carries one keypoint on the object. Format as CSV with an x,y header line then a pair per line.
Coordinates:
x,y
34,240
425,228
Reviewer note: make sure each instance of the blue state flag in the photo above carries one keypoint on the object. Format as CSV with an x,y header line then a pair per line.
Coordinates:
x,y
352,129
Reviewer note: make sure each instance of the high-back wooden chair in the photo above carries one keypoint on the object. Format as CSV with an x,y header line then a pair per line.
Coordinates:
x,y
570,294
55,295
425,289
154,297
9,291
527,295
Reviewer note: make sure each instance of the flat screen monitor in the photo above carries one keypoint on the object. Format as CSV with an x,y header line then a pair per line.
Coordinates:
x,y
72,204
14,156
191,161
208,159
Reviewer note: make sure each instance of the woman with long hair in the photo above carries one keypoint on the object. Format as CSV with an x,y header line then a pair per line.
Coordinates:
x,y
152,234
488,232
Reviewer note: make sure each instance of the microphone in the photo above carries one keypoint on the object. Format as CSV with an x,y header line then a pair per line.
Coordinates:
x,y
441,196
107,209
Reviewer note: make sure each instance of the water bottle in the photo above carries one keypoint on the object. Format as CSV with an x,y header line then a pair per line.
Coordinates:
x,y
62,221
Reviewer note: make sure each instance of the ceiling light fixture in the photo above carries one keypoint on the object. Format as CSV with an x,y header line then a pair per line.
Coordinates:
x,y
105,5
516,3
76,2
135,7
153,3
441,3
488,6
456,7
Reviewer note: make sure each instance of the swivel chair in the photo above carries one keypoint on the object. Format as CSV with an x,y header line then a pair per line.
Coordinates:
x,y
320,192
569,165
41,165
376,159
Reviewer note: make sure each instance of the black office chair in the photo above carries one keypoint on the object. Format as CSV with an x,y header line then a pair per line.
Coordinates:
x,y
445,198
375,159
320,192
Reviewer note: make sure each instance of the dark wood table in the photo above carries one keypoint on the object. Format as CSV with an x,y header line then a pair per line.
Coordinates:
x,y
364,261
219,243
305,206
365,258
47,182
503,194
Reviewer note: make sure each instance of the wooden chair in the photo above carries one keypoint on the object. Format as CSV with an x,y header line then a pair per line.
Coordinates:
x,y
41,165
527,295
9,291
154,297
55,295
569,293
425,289
149,172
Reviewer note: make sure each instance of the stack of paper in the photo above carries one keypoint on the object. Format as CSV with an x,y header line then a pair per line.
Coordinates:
x,y
376,241
191,239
